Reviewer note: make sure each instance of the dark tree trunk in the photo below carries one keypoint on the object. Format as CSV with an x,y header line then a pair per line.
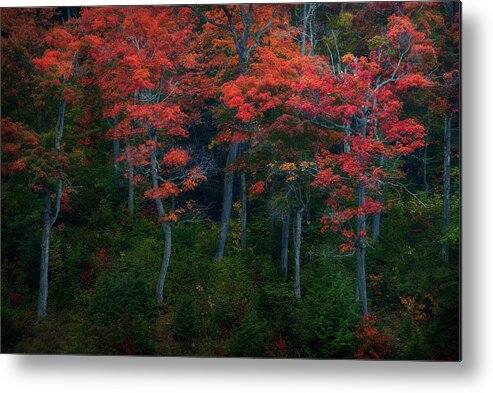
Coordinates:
x,y
361,250
131,187
243,198
297,249
227,202
285,243
446,183
45,255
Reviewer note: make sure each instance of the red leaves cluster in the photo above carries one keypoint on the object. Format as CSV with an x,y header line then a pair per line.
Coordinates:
x,y
257,188
373,344
17,143
176,158
164,191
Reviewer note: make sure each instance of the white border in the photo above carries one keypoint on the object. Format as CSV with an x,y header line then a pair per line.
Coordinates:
x,y
108,374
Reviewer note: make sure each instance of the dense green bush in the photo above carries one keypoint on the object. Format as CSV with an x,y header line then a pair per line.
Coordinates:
x,y
185,324
122,293
329,311
250,339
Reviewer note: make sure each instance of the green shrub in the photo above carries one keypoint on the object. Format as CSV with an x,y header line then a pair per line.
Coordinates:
x,y
224,315
329,312
185,324
122,293
250,339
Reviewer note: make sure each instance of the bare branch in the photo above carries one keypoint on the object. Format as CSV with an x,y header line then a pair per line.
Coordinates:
x,y
258,36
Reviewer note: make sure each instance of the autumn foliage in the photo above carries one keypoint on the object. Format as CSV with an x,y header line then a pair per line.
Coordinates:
x,y
126,129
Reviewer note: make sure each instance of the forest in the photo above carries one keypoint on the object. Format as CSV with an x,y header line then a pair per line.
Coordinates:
x,y
239,180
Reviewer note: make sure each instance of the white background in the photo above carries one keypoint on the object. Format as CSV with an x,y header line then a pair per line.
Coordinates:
x,y
474,374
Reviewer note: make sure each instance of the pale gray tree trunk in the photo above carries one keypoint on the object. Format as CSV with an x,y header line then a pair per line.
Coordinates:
x,y
425,165
361,250
49,219
285,243
377,217
297,250
241,42
45,256
131,187
376,220
116,155
60,125
227,202
446,183
308,29
243,198
304,31
165,226
361,233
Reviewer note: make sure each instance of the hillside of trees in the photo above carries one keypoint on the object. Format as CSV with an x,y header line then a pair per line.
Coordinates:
x,y
232,180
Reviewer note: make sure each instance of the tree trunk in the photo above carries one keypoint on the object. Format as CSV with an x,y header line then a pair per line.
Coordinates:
x,y
166,226
377,217
304,30
297,249
285,243
48,220
116,155
425,165
446,183
131,187
227,202
376,221
243,192
59,126
45,256
312,26
361,250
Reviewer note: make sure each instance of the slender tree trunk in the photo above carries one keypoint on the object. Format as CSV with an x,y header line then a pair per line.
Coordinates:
x,y
285,243
45,256
376,220
446,183
227,202
377,217
273,234
131,187
49,220
361,244
425,165
60,125
116,155
305,28
166,226
361,250
312,27
297,249
243,192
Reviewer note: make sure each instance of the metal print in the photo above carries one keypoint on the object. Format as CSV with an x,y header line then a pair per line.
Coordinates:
x,y
256,180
